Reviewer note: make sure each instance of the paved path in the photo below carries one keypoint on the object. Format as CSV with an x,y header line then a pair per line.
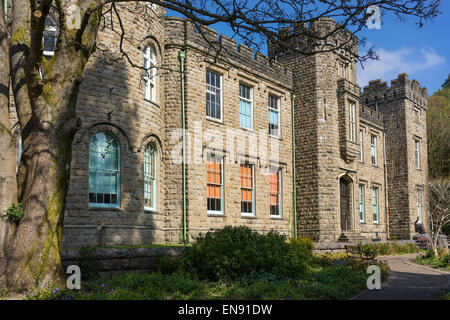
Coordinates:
x,y
408,281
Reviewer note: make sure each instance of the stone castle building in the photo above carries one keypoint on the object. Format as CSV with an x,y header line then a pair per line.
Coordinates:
x,y
360,156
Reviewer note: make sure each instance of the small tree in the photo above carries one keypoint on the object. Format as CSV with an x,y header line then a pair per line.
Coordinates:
x,y
438,209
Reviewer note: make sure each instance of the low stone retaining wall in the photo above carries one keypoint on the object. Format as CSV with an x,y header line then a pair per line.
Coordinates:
x,y
117,261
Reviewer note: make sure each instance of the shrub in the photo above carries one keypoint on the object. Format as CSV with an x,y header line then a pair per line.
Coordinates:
x,y
14,213
235,252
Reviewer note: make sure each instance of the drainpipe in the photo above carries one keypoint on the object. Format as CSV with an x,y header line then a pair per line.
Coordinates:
x,y
182,56
386,204
294,166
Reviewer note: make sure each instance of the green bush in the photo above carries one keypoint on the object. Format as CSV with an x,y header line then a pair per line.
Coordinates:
x,y
235,252
89,264
14,213
389,248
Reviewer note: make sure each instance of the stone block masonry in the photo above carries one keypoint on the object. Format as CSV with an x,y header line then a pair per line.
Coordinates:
x,y
358,170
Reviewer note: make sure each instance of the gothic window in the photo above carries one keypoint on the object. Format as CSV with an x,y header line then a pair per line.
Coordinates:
x,y
104,172
150,177
150,73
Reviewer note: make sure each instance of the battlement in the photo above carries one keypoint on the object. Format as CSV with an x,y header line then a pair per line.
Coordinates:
x,y
307,37
401,88
183,32
370,115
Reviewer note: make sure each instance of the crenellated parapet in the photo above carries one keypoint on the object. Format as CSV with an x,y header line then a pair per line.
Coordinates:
x,y
315,36
369,115
184,33
378,92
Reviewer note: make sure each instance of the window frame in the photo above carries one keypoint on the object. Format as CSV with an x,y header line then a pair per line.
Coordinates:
x,y
362,203
278,111
220,90
149,73
118,189
248,214
49,31
417,153
376,204
280,195
216,212
248,100
153,180
361,146
419,206
352,121
373,149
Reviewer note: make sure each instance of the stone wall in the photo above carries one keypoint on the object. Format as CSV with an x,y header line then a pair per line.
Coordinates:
x,y
397,103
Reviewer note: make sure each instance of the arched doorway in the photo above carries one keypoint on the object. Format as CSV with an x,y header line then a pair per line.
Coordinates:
x,y
345,184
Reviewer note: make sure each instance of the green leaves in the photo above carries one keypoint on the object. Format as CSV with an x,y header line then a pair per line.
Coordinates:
x,y
14,213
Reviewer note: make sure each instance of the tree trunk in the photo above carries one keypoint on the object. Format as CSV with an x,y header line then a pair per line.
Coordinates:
x,y
33,250
8,185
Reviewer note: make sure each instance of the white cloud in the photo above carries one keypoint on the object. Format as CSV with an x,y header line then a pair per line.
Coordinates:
x,y
391,63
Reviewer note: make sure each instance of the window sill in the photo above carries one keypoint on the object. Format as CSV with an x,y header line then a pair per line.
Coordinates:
x,y
275,137
151,102
248,216
151,211
276,217
220,121
247,129
104,209
215,214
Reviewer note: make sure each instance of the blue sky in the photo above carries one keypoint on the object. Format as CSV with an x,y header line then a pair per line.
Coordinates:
x,y
423,53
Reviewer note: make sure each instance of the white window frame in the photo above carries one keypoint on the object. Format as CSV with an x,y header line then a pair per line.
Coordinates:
x,y
417,153
278,100
351,121
373,150
376,204
217,90
217,212
361,146
150,74
107,205
150,151
362,203
49,31
250,214
280,195
250,100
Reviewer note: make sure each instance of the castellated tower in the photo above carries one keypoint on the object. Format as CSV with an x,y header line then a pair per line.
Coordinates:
x,y
325,87
404,106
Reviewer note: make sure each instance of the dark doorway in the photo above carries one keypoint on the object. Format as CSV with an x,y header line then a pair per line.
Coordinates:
x,y
345,192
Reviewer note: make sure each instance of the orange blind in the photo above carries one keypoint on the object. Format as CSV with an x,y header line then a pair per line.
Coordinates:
x,y
274,188
213,178
246,182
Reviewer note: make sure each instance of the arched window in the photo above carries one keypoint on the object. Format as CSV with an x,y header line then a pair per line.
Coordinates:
x,y
50,36
104,172
150,73
150,177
